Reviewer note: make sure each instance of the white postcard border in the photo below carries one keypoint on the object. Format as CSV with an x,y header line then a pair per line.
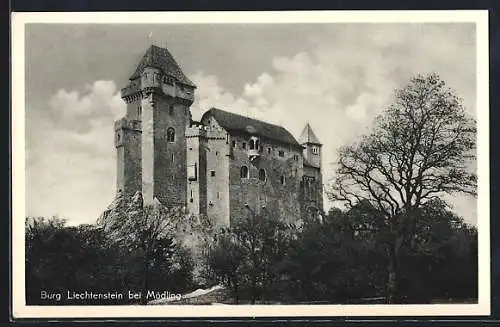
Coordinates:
x,y
21,310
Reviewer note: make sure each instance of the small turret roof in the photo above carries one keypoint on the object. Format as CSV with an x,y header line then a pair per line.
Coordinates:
x,y
162,59
308,136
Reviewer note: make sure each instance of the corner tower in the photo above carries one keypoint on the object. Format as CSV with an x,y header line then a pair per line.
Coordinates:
x,y
151,156
312,180
312,147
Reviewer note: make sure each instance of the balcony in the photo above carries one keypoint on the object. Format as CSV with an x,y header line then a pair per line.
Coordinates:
x,y
253,148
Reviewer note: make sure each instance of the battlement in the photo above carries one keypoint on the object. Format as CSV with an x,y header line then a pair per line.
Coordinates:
x,y
130,89
196,131
157,85
124,123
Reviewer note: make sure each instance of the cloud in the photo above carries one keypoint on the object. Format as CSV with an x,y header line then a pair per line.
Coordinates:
x,y
70,153
338,86
346,80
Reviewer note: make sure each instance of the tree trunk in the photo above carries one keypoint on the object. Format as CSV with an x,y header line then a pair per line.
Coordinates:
x,y
393,280
236,295
254,290
144,293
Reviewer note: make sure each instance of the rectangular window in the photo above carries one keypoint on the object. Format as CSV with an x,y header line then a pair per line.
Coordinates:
x,y
269,150
233,144
295,157
212,173
173,157
281,153
243,145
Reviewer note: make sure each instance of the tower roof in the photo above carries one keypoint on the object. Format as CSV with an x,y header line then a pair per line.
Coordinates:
x,y
237,123
162,59
308,136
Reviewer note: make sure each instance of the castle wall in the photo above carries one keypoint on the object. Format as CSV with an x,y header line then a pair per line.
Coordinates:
x,y
127,143
282,199
312,186
196,170
170,157
217,176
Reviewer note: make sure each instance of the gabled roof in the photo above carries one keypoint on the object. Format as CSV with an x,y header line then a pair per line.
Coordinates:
x,y
308,136
236,123
162,59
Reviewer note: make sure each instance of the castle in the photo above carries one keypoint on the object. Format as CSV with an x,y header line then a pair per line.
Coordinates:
x,y
222,166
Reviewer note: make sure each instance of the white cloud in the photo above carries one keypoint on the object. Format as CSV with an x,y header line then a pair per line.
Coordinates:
x,y
338,87
70,159
341,85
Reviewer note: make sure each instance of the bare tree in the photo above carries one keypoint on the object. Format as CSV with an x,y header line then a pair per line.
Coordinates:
x,y
419,149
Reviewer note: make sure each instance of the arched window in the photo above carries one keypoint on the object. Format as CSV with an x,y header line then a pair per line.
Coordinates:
x,y
244,172
251,144
170,135
262,175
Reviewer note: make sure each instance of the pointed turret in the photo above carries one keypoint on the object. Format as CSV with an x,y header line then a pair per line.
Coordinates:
x,y
161,58
312,147
308,136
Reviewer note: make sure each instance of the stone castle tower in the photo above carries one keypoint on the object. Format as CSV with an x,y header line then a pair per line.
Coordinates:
x,y
150,139
223,166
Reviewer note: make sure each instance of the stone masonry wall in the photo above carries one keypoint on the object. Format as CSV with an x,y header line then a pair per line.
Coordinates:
x,y
277,197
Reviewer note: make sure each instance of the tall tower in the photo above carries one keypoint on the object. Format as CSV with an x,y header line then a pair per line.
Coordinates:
x,y
150,139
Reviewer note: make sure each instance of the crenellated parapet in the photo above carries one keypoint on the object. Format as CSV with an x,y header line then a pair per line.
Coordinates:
x,y
126,124
158,84
196,131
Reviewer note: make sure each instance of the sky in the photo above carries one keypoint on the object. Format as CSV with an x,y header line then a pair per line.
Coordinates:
x,y
336,77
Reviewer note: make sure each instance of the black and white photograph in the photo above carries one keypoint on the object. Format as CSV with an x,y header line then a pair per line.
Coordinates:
x,y
250,164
